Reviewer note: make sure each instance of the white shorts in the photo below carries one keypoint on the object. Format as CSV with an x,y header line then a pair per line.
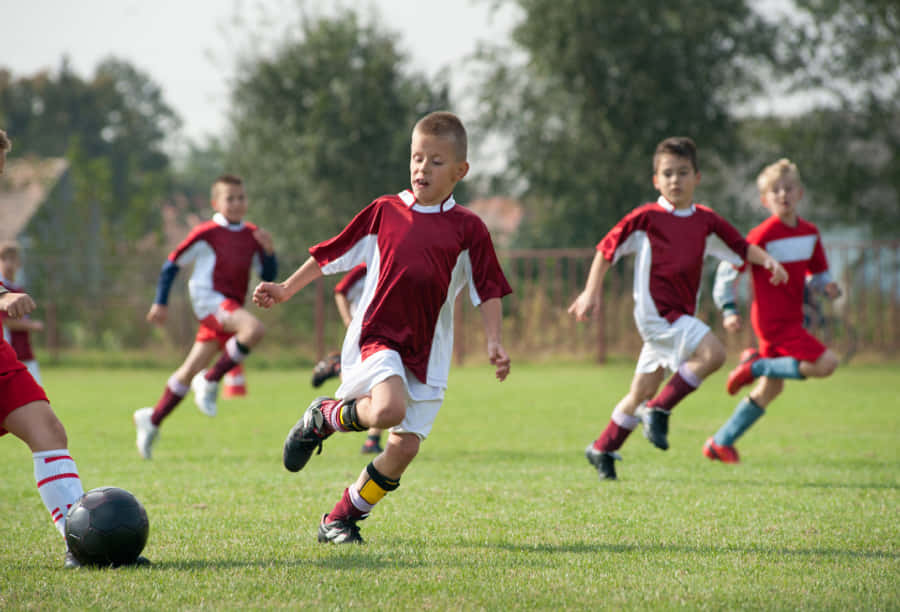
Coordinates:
x,y
667,344
205,302
422,401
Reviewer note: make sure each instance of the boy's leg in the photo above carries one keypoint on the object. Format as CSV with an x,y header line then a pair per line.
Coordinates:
x,y
799,355
749,410
248,331
372,445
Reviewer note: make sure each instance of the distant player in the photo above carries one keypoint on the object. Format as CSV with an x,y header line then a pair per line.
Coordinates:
x,y
25,412
669,238
18,331
421,249
786,349
223,252
346,295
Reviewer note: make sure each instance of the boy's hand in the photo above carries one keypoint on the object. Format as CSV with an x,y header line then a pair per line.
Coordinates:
x,y
498,357
268,294
779,274
583,305
264,239
732,322
17,305
833,291
158,314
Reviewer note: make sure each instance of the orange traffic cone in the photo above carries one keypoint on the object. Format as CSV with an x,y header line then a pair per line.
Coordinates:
x,y
235,383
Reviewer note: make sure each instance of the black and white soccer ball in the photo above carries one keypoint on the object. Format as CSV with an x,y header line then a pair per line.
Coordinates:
x,y
107,526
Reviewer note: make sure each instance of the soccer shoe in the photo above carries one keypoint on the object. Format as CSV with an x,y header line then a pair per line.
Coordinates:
x,y
743,373
205,392
725,454
146,431
371,447
655,424
141,561
326,368
305,436
603,461
340,532
70,562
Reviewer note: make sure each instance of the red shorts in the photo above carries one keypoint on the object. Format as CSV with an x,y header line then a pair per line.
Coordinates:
x,y
792,341
17,388
211,327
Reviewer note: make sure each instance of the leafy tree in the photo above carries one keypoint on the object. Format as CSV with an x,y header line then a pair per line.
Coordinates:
x,y
322,126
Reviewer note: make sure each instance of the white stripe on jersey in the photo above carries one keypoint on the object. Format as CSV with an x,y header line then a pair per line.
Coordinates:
x,y
796,248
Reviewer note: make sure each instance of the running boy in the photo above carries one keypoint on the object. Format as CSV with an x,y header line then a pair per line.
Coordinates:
x,y
421,249
786,349
18,331
346,296
670,238
26,413
223,252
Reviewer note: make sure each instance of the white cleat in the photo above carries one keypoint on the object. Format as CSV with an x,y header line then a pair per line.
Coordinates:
x,y
146,431
205,392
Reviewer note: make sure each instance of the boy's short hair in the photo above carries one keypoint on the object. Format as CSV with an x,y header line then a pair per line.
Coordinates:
x,y
445,124
9,247
682,146
225,179
5,143
771,173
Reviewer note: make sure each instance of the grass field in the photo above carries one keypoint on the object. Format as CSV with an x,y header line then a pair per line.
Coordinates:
x,y
499,511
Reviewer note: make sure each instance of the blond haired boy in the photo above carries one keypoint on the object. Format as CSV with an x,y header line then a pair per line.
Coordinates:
x,y
421,249
786,349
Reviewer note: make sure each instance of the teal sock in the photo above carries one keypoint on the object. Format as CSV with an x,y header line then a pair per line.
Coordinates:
x,y
745,415
777,367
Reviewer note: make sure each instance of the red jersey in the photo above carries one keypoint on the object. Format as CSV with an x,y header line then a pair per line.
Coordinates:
x,y
8,360
418,259
20,340
799,250
670,245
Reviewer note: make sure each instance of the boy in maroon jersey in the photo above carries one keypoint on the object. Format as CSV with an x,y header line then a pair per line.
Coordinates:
x,y
670,238
17,331
223,251
421,249
25,412
786,349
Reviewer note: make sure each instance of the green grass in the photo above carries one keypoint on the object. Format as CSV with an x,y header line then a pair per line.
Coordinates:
x,y
500,510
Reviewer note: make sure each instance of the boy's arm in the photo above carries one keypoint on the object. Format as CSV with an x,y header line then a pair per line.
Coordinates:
x,y
159,309
725,296
28,325
343,306
590,298
492,317
15,305
268,294
268,264
758,256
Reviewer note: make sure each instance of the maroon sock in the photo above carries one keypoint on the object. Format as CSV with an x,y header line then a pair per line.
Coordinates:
x,y
344,509
221,367
672,393
164,406
612,438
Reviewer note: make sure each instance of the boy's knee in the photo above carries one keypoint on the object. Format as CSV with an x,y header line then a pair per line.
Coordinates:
x,y
826,365
716,356
387,414
403,448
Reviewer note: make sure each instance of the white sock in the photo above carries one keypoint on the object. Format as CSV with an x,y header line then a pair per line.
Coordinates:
x,y
58,483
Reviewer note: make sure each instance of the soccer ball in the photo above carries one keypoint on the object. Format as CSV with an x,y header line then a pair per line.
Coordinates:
x,y
107,526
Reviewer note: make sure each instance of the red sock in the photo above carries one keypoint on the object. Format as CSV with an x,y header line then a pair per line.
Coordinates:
x,y
221,367
674,391
344,509
612,438
165,405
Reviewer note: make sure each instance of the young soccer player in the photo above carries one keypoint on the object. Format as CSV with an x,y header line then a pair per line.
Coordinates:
x,y
786,349
223,251
670,238
18,331
25,412
421,249
346,296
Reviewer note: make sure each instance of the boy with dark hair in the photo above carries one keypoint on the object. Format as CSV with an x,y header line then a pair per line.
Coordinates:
x,y
223,251
670,238
421,249
786,349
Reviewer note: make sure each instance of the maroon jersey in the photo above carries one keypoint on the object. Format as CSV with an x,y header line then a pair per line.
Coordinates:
x,y
8,360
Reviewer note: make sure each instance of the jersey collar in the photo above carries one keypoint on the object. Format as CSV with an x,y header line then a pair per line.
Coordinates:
x,y
669,207
219,219
410,200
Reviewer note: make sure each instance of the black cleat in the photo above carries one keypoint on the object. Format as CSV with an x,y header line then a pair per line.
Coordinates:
x,y
603,461
305,436
656,427
70,562
141,561
340,532
326,368
371,447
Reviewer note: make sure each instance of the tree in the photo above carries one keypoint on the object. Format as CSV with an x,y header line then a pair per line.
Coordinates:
x,y
598,85
322,126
